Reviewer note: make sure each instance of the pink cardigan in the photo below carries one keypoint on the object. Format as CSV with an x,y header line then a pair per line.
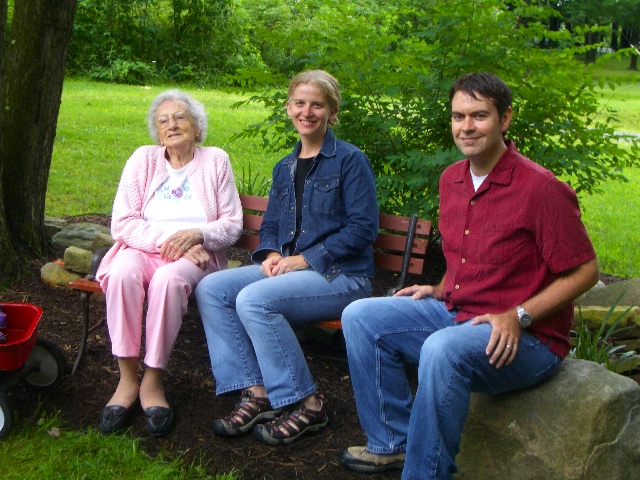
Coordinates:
x,y
209,171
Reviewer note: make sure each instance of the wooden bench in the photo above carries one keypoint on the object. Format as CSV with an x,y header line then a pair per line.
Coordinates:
x,y
400,247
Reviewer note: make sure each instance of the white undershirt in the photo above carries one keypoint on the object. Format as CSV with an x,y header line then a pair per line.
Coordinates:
x,y
175,205
477,181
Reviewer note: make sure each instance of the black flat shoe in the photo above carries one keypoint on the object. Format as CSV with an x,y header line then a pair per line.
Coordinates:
x,y
158,420
114,418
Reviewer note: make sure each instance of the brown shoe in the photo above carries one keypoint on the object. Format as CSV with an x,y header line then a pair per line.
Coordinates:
x,y
294,423
248,412
359,459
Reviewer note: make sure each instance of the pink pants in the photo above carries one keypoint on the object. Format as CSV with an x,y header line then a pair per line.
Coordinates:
x,y
167,285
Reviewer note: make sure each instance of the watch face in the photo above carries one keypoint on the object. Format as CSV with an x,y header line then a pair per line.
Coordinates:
x,y
524,319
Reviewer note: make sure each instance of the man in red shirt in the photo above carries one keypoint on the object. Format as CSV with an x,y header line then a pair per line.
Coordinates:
x,y
517,255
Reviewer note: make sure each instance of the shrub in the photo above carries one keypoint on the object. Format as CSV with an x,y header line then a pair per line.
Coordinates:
x,y
396,67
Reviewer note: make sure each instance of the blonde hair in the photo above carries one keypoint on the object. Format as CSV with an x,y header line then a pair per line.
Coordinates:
x,y
325,82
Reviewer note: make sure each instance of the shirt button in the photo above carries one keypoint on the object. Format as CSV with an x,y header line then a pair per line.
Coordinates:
x,y
291,232
466,232
292,208
307,182
473,202
457,287
464,260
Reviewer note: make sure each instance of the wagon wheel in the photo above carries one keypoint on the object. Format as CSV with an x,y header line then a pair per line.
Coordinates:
x,y
6,419
46,365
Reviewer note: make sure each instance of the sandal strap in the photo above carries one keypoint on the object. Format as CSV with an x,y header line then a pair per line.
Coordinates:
x,y
247,408
297,419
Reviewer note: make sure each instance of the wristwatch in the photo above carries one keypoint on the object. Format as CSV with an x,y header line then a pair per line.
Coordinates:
x,y
524,318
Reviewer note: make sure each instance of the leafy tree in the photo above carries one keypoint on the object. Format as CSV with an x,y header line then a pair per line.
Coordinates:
x,y
139,41
396,68
31,79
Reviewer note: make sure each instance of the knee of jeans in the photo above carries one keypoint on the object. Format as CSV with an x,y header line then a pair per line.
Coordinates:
x,y
353,318
247,301
439,346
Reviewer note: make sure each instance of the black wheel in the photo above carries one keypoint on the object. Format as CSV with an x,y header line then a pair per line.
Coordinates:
x,y
6,419
46,366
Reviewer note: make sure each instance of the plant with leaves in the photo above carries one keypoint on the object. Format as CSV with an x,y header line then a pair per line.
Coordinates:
x,y
396,67
599,347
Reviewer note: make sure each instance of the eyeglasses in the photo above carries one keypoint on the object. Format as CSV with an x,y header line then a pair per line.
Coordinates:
x,y
179,117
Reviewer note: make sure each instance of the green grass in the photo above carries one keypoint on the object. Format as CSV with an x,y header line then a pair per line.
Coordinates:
x,y
100,125
46,451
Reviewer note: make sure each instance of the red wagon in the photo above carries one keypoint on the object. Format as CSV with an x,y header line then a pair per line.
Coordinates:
x,y
25,357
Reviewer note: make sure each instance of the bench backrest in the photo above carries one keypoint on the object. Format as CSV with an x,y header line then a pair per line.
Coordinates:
x,y
390,248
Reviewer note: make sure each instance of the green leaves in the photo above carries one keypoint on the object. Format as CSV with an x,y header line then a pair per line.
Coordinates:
x,y
396,67
598,347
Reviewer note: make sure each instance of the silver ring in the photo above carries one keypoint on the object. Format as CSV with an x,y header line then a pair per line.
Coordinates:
x,y
508,346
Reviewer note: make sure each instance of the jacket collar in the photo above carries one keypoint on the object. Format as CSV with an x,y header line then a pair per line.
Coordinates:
x,y
328,148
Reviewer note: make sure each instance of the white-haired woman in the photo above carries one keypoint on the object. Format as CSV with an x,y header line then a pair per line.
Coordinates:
x,y
175,213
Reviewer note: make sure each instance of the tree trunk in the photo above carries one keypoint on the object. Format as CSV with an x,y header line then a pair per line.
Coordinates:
x,y
591,38
614,36
634,36
34,61
9,264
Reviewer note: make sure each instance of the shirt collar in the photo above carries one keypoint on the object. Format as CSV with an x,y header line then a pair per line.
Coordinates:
x,y
502,171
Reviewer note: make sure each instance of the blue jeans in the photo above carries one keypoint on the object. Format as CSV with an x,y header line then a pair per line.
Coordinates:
x,y
248,322
384,333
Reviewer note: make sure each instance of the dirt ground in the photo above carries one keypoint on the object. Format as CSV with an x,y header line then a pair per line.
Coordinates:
x,y
190,384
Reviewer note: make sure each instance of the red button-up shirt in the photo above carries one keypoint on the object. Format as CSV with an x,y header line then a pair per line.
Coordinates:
x,y
509,240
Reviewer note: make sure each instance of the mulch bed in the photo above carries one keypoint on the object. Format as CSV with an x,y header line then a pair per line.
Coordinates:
x,y
189,381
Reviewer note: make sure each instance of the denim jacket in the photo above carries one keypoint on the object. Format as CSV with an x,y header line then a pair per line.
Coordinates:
x,y
340,211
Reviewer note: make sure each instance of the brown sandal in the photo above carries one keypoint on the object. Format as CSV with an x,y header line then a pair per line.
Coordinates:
x,y
295,422
248,412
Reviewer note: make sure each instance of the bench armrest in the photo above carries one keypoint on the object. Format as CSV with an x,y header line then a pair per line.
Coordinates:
x,y
95,262
406,257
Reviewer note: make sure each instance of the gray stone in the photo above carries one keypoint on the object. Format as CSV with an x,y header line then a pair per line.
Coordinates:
x,y
102,240
594,316
53,225
56,275
606,296
78,260
79,235
583,423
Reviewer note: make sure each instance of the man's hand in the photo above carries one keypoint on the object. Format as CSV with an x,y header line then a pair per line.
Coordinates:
x,y
199,256
180,242
421,291
276,264
505,335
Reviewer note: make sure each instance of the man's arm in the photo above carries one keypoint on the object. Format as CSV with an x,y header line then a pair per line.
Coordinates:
x,y
506,330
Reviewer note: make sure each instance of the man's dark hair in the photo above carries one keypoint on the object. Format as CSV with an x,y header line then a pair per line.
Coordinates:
x,y
488,85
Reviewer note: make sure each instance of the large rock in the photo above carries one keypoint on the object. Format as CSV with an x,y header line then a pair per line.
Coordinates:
x,y
606,296
81,235
583,423
78,260
56,275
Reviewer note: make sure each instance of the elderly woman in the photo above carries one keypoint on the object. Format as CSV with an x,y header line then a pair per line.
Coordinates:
x,y
315,257
175,213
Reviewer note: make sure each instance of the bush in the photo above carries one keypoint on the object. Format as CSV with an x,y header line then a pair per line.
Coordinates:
x,y
396,68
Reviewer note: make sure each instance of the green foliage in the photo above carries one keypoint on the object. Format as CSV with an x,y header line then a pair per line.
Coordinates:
x,y
252,184
35,451
396,67
140,41
598,347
